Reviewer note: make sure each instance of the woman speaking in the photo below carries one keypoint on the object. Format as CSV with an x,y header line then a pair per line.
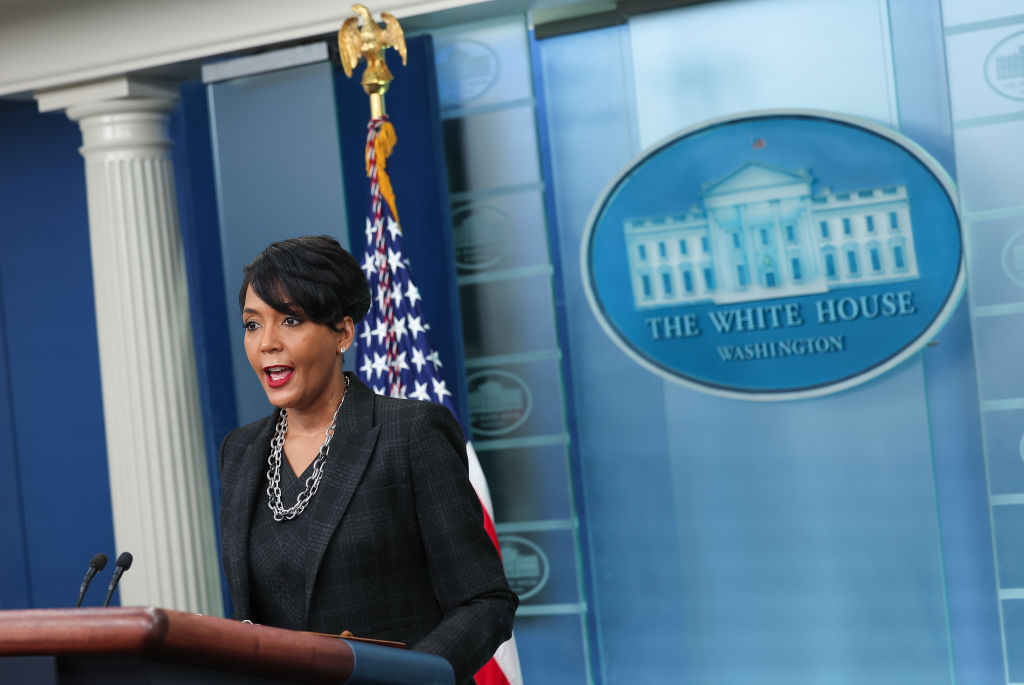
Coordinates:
x,y
343,509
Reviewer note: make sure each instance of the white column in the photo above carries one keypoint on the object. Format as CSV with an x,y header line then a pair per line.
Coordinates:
x,y
158,480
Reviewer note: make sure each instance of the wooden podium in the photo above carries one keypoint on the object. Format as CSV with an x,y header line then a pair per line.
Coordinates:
x,y
160,646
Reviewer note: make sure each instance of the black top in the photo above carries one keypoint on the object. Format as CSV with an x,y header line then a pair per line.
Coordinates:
x,y
277,550
395,547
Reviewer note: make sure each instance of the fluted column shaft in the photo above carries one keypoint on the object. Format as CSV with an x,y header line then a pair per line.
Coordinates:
x,y
158,480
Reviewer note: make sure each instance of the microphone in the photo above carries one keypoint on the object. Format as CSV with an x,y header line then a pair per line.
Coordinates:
x,y
123,563
95,566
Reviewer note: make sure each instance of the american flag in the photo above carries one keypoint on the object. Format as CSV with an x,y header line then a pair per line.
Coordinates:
x,y
395,355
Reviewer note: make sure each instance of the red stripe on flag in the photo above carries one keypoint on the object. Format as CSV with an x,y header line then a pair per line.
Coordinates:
x,y
489,527
491,674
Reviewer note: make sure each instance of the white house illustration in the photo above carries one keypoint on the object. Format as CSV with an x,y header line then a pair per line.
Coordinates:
x,y
1010,66
492,396
761,234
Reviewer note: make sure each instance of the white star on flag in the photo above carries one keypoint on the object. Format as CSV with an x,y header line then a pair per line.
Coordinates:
x,y
440,389
380,364
415,327
395,261
417,359
413,293
420,393
394,229
381,331
400,329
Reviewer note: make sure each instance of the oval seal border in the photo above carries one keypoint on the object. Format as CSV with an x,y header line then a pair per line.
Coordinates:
x,y
527,410
505,242
503,540
900,355
986,68
462,93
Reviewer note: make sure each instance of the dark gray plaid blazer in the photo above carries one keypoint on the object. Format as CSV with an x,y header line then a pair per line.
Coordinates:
x,y
397,547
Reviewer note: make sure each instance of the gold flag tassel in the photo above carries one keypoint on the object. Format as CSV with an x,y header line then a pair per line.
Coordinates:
x,y
383,143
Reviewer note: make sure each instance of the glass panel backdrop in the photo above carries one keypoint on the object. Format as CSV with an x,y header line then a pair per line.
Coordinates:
x,y
844,539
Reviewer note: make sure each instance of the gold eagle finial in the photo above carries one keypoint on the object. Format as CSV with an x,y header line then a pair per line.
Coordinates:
x,y
370,41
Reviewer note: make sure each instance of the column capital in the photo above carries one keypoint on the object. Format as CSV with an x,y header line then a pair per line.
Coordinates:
x,y
110,95
116,115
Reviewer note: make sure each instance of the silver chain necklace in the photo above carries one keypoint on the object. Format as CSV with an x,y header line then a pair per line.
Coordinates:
x,y
274,472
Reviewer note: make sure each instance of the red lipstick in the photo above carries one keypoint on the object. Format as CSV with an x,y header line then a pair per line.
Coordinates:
x,y
278,375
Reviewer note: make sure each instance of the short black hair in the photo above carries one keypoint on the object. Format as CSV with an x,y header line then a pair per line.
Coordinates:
x,y
311,276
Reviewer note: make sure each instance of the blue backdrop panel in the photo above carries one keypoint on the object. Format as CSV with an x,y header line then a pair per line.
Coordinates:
x,y
508,469
275,148
634,563
15,588
1013,615
555,645
1000,366
962,505
919,65
996,244
51,366
1008,523
839,540
578,498
988,167
517,300
514,361
1004,433
809,536
197,203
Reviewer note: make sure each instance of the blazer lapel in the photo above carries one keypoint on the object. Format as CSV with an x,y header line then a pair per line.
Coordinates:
x,y
244,472
351,448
